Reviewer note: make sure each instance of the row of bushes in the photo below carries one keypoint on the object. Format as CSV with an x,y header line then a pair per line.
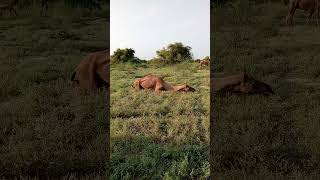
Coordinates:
x,y
219,2
172,54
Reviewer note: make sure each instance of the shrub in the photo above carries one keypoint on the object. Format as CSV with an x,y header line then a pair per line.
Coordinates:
x,y
124,55
174,53
207,58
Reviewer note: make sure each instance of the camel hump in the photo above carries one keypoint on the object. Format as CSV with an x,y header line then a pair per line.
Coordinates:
x,y
153,76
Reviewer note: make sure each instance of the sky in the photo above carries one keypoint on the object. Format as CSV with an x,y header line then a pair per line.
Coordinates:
x,y
150,25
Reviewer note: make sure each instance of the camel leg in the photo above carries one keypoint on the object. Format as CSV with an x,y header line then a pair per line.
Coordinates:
x,y
157,89
289,19
290,14
137,86
293,8
41,11
46,8
310,16
317,14
13,11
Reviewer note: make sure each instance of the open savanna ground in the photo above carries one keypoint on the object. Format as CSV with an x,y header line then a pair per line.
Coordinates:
x,y
47,127
159,136
273,137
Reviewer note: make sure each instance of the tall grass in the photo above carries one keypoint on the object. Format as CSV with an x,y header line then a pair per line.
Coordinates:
x,y
266,137
47,127
159,136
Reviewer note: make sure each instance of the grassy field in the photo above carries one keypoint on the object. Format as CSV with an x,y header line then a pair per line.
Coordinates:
x,y
159,136
266,137
47,127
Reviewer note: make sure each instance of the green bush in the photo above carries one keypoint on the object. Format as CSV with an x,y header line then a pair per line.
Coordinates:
x,y
206,58
174,53
124,56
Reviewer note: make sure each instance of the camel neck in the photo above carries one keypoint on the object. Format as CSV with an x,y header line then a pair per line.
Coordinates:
x,y
177,87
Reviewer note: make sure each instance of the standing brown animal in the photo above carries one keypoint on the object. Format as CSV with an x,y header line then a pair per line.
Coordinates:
x,y
156,83
204,63
93,71
8,6
306,5
240,83
44,4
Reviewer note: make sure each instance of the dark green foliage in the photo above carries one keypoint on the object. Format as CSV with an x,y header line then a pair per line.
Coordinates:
x,y
219,2
206,58
174,53
25,3
90,4
224,2
124,56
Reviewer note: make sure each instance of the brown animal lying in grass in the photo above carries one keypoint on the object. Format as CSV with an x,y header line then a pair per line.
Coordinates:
x,y
204,63
306,5
93,71
156,83
240,83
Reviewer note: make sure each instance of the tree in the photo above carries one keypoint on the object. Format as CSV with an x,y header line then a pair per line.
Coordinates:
x,y
175,53
90,4
123,55
207,58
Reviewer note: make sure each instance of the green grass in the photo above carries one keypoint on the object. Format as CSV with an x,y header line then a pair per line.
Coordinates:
x,y
47,127
273,137
159,136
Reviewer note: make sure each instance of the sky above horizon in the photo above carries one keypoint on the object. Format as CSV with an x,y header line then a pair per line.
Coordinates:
x,y
150,25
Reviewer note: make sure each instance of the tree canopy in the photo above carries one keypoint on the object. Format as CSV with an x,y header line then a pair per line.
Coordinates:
x,y
124,55
175,53
90,4
206,58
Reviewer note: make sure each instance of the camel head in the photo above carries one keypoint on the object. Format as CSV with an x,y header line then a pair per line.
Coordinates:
x,y
251,86
185,88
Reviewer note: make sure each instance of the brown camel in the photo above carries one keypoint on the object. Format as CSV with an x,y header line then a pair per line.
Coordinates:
x,y
204,62
44,4
307,5
156,83
93,71
240,83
